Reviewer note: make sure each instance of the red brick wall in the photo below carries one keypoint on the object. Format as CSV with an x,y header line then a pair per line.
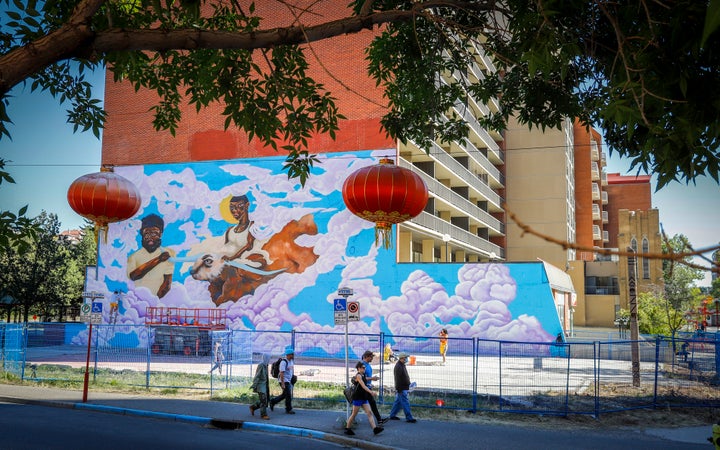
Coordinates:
x,y
339,64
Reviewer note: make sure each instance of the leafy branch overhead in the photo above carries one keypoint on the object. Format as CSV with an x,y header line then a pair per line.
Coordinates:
x,y
646,73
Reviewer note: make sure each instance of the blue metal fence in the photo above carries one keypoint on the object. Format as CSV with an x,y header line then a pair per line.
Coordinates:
x,y
593,377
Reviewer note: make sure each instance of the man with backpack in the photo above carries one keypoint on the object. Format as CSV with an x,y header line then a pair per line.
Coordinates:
x,y
284,371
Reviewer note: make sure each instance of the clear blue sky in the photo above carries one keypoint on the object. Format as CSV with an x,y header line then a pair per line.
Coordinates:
x,y
46,157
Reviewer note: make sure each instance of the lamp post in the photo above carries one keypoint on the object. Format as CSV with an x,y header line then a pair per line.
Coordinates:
x,y
446,240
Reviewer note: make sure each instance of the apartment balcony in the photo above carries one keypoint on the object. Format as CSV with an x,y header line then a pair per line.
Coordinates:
x,y
458,202
495,154
594,171
431,225
606,236
596,213
482,161
597,234
595,192
594,151
603,160
604,196
605,217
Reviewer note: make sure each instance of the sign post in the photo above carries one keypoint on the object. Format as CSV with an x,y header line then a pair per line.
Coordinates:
x,y
345,292
91,313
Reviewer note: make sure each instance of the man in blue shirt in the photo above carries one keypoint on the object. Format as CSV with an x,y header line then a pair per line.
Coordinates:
x,y
367,358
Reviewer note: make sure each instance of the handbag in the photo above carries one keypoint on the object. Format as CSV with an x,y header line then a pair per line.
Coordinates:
x,y
349,392
293,380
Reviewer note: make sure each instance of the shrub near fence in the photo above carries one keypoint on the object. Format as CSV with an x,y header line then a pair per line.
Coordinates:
x,y
590,378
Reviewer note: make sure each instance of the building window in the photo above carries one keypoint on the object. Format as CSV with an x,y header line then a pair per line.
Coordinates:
x,y
646,261
633,245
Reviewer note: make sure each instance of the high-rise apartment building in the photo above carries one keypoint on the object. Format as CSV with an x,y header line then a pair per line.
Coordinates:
x,y
557,185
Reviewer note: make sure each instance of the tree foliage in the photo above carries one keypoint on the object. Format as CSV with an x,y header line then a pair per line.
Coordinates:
x,y
16,229
49,277
645,72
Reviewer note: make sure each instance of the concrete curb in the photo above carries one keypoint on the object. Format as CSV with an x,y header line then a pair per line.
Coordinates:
x,y
218,423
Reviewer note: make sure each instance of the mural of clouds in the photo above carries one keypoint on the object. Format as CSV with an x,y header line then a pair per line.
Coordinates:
x,y
470,300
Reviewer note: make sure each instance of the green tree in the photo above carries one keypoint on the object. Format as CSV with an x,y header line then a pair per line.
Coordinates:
x,y
45,279
656,315
679,279
647,73
16,230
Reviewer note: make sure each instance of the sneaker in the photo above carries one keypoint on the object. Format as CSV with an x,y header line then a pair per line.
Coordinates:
x,y
252,410
378,430
411,420
290,412
272,406
384,420
393,418
349,432
265,417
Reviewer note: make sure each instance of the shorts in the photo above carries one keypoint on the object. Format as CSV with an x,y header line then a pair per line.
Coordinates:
x,y
359,402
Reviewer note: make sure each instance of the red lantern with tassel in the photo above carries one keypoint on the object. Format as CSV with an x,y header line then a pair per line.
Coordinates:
x,y
104,197
385,194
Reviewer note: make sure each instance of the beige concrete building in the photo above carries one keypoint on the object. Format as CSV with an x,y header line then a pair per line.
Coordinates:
x,y
557,185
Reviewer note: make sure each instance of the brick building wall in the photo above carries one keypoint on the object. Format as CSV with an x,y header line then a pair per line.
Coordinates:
x,y
339,64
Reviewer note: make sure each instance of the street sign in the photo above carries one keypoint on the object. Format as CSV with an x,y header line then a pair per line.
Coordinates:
x,y
353,309
85,312
345,292
96,312
93,294
340,304
340,317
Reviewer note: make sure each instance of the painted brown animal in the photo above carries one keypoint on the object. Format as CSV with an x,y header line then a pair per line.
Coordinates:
x,y
227,282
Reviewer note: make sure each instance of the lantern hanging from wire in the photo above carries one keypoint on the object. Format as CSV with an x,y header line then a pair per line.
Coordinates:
x,y
386,194
104,197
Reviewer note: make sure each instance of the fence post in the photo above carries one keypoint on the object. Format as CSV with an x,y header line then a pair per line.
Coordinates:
x,y
596,364
500,381
148,331
717,358
475,369
658,342
381,396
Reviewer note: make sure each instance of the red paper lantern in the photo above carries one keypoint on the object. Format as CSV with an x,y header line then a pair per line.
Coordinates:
x,y
385,194
104,197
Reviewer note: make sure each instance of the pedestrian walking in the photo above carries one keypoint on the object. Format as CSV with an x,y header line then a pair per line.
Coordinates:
x,y
443,343
261,386
218,357
285,377
367,358
402,387
360,399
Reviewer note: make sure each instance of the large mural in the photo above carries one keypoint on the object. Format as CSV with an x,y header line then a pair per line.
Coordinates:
x,y
241,236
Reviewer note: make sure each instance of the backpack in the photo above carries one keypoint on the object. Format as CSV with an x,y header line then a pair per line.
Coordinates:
x,y
275,368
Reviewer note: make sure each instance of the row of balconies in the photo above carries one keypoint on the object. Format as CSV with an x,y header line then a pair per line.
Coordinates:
x,y
600,235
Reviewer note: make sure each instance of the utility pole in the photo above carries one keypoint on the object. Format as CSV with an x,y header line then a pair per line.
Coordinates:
x,y
634,330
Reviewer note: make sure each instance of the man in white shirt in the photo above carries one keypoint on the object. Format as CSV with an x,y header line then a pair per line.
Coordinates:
x,y
287,370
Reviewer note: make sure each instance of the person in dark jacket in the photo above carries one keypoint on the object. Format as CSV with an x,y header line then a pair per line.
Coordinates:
x,y
402,387
360,399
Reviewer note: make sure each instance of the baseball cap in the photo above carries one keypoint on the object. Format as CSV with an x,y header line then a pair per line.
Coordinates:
x,y
289,350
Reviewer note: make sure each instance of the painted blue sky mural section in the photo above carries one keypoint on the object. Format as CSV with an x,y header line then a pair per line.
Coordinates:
x,y
489,301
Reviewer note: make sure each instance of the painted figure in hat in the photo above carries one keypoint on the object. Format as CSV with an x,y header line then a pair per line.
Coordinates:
x,y
149,266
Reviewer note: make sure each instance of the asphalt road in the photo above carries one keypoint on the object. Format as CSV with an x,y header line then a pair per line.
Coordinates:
x,y
39,427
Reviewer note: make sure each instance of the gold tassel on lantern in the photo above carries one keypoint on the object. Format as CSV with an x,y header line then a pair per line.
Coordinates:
x,y
383,231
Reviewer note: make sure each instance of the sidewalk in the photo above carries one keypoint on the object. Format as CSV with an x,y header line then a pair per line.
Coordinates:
x,y
318,424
